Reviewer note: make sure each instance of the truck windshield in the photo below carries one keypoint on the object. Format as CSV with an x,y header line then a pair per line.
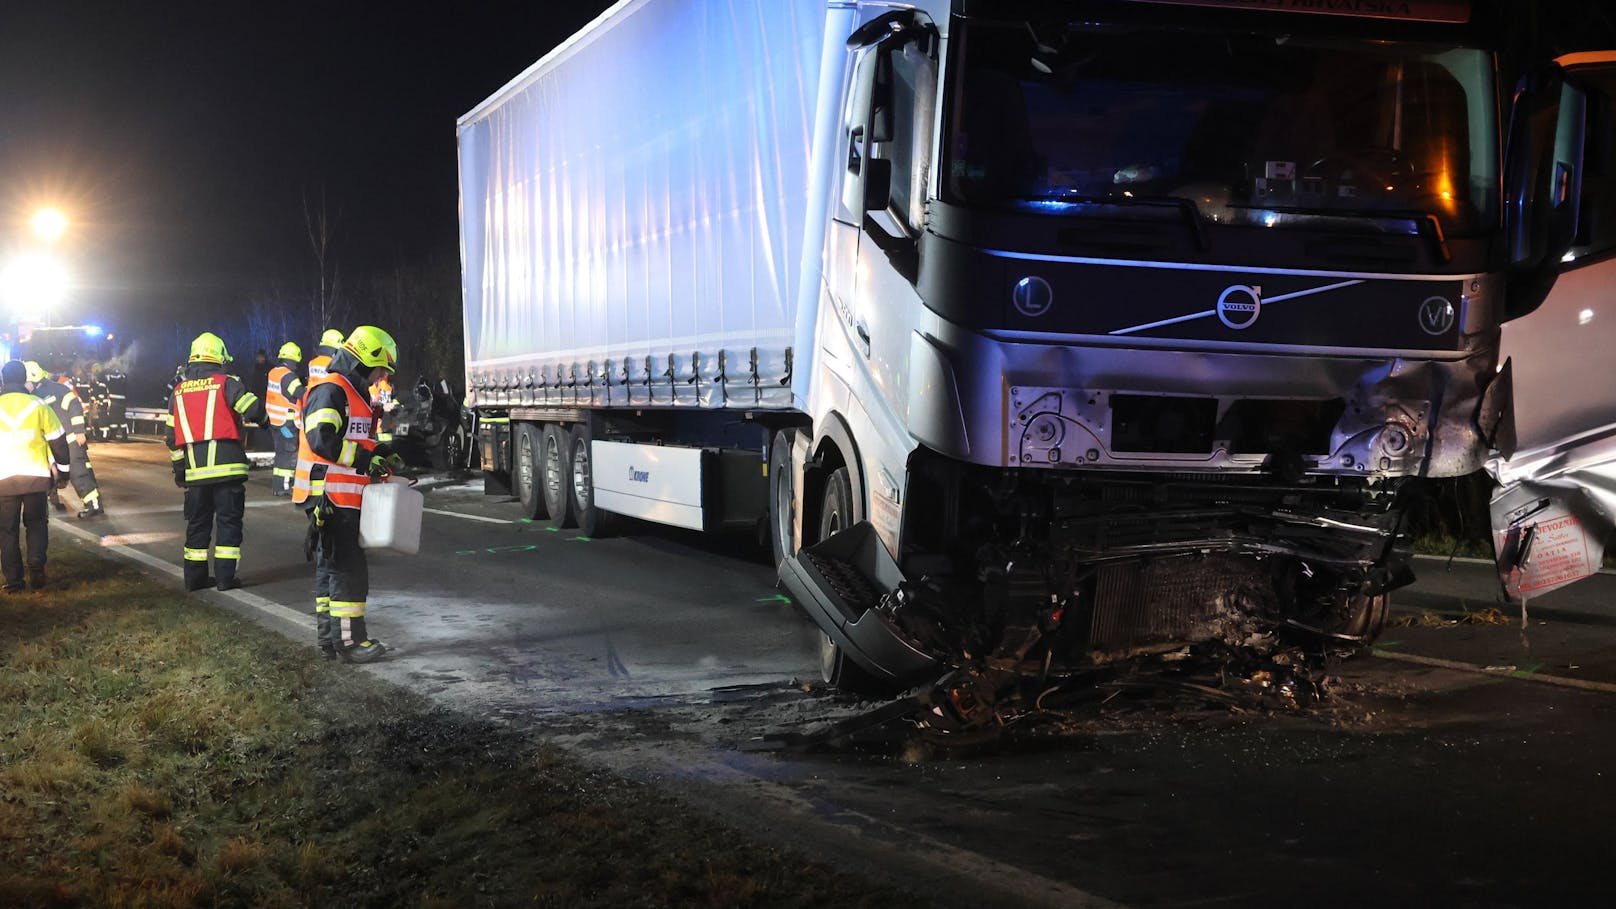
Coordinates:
x,y
1252,129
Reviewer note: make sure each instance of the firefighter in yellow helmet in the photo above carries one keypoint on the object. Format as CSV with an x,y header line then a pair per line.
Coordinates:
x,y
209,453
330,343
33,458
64,399
338,456
282,397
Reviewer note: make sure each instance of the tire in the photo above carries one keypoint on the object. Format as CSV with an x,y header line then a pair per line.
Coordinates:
x,y
592,521
837,512
782,517
525,471
1366,620
555,474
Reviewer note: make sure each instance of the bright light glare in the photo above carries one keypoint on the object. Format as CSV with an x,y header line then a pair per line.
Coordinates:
x,y
32,284
49,223
93,331
1584,317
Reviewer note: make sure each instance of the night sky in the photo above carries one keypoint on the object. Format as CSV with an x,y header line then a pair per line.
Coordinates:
x,y
183,136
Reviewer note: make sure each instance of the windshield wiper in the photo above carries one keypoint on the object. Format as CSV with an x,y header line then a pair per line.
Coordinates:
x,y
1186,207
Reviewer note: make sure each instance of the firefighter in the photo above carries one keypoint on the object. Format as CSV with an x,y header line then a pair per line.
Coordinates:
x,y
63,397
33,450
337,456
330,343
281,396
209,454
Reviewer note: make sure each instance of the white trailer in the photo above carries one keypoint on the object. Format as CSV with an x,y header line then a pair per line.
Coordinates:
x,y
1034,334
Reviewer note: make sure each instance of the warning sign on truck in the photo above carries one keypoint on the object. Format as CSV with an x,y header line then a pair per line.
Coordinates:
x,y
1559,553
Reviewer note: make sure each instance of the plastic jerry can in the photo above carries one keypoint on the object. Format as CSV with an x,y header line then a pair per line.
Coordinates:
x,y
390,516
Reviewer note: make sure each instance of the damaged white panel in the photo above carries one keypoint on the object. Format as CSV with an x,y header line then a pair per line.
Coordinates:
x,y
633,210
1553,515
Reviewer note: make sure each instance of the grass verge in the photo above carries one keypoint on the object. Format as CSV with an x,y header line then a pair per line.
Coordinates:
x,y
157,752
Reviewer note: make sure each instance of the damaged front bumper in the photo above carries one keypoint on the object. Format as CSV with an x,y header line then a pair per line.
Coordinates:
x,y
1059,573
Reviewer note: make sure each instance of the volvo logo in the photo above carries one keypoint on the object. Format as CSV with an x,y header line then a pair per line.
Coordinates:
x,y
1033,296
1239,306
1436,316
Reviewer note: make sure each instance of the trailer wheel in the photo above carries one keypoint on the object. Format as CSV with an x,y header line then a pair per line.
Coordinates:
x,y
782,498
555,473
837,512
592,521
525,471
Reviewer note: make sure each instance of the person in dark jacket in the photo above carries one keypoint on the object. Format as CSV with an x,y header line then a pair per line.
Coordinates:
x,y
207,445
33,459
64,399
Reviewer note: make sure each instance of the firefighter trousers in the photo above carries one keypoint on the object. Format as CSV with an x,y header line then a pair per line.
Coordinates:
x,y
285,438
30,512
341,583
81,475
221,504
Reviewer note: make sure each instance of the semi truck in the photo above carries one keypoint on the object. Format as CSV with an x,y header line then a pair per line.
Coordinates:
x,y
1038,336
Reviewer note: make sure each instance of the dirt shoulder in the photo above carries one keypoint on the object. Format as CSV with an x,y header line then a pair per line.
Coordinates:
x,y
155,751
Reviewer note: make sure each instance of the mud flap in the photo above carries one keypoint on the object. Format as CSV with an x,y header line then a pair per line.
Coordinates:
x,y
1550,532
840,582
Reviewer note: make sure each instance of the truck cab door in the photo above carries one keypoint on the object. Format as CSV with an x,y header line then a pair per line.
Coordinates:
x,y
1553,405
886,127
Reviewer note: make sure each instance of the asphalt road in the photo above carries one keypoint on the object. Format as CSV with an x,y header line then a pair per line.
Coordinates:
x,y
1465,764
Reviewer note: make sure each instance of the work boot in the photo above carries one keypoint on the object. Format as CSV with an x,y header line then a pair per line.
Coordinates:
x,y
193,584
230,583
36,577
56,501
14,587
93,510
362,652
327,652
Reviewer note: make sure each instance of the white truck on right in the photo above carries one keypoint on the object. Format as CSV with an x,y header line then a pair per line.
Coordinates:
x,y
1040,335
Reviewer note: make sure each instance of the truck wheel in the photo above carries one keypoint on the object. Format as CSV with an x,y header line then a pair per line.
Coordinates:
x,y
592,521
555,474
525,471
1366,619
837,512
782,498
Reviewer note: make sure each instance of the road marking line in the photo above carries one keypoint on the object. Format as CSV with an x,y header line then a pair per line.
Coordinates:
x,y
1526,675
257,503
267,606
469,517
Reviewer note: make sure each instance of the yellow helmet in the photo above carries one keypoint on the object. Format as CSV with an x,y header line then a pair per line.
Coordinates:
x,y
36,373
290,351
209,348
331,338
372,346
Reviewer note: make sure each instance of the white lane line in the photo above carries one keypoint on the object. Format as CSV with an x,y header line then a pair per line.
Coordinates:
x,y
469,517
1500,671
303,622
1470,560
157,509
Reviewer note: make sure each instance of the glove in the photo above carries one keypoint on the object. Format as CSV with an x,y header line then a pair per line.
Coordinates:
x,y
179,474
61,480
320,513
382,466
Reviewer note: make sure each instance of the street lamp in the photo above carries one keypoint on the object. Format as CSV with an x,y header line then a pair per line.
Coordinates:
x,y
34,282
49,224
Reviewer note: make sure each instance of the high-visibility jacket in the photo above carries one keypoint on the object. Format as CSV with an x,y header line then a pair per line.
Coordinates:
x,y
31,441
207,408
63,398
318,364
282,395
344,429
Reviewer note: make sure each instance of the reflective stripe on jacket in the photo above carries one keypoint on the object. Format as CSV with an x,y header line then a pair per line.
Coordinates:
x,y
341,481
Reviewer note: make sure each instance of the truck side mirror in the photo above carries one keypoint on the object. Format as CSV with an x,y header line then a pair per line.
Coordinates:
x,y
1542,184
